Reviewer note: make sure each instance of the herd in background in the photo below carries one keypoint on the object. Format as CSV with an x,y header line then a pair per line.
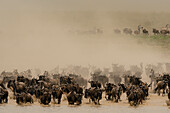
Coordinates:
x,y
141,30
128,31
47,88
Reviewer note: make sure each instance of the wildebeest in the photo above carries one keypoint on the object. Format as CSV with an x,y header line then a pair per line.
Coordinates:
x,y
115,94
136,32
164,32
117,31
161,85
108,89
28,98
57,94
45,98
133,98
44,88
3,95
95,84
145,31
73,97
117,91
23,98
94,94
127,31
16,87
136,96
155,31
66,80
103,79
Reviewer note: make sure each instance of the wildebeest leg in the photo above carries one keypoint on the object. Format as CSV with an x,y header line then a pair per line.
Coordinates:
x,y
89,100
155,89
98,101
154,84
32,101
163,93
141,101
109,97
112,98
94,100
116,98
151,85
54,99
135,101
159,92
59,100
0,100
6,100
167,90
106,97
119,97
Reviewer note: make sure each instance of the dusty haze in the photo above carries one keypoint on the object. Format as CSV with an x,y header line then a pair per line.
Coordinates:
x,y
41,33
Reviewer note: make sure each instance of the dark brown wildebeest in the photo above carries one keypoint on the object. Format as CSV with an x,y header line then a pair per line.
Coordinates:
x,y
161,85
23,98
31,90
16,87
94,94
57,94
115,94
135,95
28,98
155,31
95,84
117,91
164,32
72,98
108,89
66,80
145,32
133,98
3,95
45,98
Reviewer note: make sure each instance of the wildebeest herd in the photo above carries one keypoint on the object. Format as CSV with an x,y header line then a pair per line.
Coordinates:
x,y
141,30
44,89
128,31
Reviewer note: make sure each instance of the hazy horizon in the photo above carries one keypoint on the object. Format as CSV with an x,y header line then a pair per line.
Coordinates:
x,y
86,5
36,33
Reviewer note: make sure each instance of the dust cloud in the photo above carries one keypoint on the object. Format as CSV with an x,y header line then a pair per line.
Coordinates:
x,y
44,36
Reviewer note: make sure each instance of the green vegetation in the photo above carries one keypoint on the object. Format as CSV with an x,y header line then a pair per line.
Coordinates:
x,y
157,40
